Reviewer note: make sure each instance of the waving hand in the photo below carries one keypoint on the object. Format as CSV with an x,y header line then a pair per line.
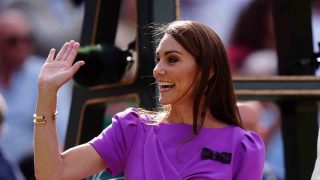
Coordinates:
x,y
57,71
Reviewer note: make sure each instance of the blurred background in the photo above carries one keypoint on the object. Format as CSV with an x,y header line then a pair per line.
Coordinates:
x,y
29,28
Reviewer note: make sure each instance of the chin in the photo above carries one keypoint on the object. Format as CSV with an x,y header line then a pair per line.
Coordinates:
x,y
163,101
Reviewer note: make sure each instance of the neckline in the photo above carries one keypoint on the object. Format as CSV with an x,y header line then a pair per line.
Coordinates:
x,y
190,125
177,133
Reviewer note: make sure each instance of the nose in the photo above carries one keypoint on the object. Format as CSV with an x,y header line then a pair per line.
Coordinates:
x,y
158,70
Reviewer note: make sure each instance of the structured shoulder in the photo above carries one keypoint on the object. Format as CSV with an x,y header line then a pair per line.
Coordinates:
x,y
251,141
250,157
128,113
131,116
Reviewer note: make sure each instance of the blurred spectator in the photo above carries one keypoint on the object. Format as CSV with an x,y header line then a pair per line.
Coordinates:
x,y
220,15
18,77
253,32
252,52
53,21
260,63
8,170
19,69
252,114
127,24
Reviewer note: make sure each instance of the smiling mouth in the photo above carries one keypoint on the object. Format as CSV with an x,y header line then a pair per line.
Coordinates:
x,y
165,86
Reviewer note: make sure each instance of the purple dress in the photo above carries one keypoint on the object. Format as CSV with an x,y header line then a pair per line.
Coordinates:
x,y
168,151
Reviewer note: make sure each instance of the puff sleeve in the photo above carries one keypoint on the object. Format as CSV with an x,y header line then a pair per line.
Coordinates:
x,y
113,144
250,156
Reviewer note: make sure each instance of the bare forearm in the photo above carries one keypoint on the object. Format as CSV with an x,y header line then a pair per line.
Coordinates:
x,y
56,71
48,161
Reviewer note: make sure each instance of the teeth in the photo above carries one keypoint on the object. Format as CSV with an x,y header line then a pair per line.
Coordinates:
x,y
165,84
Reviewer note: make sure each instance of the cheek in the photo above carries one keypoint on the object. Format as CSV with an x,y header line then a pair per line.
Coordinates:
x,y
196,79
194,75
191,79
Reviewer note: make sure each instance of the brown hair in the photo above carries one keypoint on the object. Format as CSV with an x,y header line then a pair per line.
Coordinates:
x,y
216,91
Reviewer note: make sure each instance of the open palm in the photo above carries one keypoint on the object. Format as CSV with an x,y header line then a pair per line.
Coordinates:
x,y
57,71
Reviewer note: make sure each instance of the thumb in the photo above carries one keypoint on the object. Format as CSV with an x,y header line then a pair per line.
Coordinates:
x,y
76,67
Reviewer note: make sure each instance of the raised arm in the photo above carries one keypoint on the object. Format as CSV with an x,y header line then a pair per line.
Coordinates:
x,y
50,163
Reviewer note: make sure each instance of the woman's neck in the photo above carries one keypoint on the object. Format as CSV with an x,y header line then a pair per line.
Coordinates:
x,y
184,115
181,114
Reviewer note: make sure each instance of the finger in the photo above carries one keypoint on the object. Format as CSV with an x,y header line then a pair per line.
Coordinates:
x,y
68,50
51,55
62,51
76,67
71,57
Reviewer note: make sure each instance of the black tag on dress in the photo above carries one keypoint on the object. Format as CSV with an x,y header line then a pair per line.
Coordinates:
x,y
223,157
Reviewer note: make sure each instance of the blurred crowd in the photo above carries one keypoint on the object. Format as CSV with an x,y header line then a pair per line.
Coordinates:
x,y
28,29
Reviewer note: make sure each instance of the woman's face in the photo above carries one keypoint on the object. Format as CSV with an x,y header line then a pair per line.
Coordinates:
x,y
175,72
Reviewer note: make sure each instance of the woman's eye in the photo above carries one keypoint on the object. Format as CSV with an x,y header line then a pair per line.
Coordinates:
x,y
157,60
172,59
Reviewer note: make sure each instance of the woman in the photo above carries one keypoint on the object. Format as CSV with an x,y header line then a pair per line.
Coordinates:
x,y
198,135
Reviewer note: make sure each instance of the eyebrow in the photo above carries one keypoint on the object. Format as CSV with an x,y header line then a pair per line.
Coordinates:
x,y
169,52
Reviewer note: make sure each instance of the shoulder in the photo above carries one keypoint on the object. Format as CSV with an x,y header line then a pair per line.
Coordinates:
x,y
128,113
244,141
249,140
249,145
123,128
249,156
252,140
130,116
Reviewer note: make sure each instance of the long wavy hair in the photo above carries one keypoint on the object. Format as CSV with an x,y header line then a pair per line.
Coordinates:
x,y
213,93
